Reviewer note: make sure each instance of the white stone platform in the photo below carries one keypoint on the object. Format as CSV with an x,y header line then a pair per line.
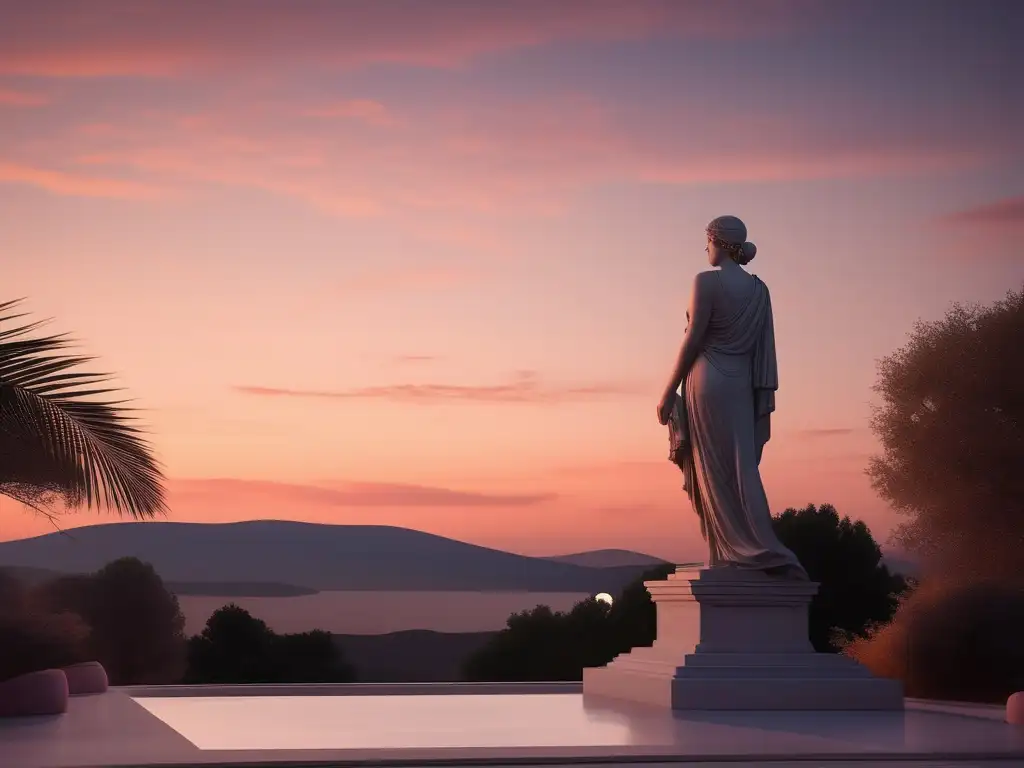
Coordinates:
x,y
730,639
551,725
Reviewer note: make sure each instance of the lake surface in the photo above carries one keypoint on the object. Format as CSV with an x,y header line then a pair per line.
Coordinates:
x,y
376,613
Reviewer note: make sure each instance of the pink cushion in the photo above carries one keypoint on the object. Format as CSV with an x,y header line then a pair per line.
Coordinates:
x,y
87,677
37,693
1015,708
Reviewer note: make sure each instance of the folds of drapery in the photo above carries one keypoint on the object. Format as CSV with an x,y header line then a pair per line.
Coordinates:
x,y
749,331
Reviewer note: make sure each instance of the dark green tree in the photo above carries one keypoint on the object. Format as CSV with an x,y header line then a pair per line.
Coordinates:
x,y
533,646
856,590
633,618
310,657
235,647
542,644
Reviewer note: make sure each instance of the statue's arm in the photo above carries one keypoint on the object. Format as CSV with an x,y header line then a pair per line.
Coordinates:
x,y
693,340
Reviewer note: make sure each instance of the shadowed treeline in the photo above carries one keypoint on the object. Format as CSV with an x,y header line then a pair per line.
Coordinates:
x,y
126,618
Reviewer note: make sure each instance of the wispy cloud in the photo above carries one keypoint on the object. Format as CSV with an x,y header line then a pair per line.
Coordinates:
x,y
236,160
1009,212
364,110
15,98
414,359
353,494
814,434
467,158
163,40
76,185
524,387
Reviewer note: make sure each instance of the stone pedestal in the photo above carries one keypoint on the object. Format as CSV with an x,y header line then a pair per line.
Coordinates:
x,y
737,640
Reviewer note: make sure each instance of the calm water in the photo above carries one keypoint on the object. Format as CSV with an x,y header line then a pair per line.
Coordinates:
x,y
374,613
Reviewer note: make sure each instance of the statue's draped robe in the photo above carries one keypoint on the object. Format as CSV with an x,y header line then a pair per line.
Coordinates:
x,y
729,398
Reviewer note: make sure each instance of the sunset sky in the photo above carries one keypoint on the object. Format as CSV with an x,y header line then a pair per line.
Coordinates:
x,y
426,263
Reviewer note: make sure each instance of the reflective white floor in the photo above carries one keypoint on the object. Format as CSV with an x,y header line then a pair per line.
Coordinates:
x,y
537,721
510,723
390,722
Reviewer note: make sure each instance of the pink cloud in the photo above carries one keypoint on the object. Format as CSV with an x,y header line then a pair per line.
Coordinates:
x,y
826,432
191,38
238,161
351,494
525,387
1001,212
532,157
13,98
414,359
365,110
75,185
812,162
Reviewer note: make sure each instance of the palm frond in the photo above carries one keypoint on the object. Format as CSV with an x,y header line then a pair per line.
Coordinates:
x,y
62,438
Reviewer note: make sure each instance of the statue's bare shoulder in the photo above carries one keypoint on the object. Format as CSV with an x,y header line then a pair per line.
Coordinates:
x,y
702,297
705,283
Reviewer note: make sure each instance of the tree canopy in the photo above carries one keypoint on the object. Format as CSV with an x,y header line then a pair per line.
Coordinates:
x,y
856,590
951,428
236,647
136,625
32,637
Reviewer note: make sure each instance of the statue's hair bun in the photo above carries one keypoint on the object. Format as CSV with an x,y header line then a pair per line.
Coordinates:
x,y
746,253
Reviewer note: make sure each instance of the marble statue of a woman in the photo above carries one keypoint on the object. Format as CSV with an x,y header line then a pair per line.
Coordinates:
x,y
727,375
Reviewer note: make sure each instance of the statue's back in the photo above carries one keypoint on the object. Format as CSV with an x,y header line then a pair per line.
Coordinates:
x,y
740,308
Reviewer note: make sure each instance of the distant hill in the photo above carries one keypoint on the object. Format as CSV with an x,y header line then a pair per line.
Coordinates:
x,y
29,575
608,558
308,555
33,576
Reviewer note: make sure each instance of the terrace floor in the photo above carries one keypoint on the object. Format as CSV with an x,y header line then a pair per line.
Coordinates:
x,y
493,724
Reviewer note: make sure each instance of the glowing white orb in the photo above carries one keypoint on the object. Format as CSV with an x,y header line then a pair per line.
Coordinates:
x,y
604,597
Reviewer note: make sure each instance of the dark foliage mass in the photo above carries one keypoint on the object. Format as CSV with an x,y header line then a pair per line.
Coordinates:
x,y
857,591
32,638
122,616
137,628
951,428
235,647
959,642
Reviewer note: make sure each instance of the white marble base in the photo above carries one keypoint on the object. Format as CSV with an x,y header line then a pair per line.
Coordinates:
x,y
737,640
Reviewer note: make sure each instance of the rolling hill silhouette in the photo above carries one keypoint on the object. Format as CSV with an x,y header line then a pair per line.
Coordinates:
x,y
310,555
608,558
